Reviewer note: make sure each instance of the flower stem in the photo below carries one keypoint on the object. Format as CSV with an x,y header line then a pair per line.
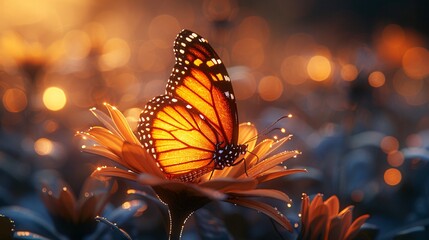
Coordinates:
x,y
177,223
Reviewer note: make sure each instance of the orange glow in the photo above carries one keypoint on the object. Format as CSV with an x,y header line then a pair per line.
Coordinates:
x,y
270,88
416,62
392,176
389,144
376,79
395,158
248,52
349,72
116,53
126,205
169,25
132,116
54,98
319,68
293,70
406,86
43,146
254,27
14,100
244,83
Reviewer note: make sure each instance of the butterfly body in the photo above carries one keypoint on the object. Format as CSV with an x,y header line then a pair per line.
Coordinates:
x,y
193,128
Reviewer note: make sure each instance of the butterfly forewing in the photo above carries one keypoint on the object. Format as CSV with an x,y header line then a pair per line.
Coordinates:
x,y
200,79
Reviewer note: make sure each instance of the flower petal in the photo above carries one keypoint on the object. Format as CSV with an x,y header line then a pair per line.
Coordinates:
x,y
102,173
105,120
268,163
139,160
247,134
274,175
230,184
173,186
271,193
106,138
356,225
101,151
122,124
333,206
264,208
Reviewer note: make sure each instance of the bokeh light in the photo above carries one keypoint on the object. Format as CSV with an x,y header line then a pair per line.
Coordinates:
x,y
54,98
248,52
389,144
319,68
406,86
395,158
376,79
116,53
270,88
14,100
293,70
416,62
43,146
349,72
392,176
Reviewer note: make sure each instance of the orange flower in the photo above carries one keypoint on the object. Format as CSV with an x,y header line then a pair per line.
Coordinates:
x,y
233,184
322,219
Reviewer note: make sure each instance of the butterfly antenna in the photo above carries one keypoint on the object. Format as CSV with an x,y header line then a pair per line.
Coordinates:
x,y
269,129
211,174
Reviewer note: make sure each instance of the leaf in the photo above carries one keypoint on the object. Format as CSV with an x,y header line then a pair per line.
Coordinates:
x,y
27,220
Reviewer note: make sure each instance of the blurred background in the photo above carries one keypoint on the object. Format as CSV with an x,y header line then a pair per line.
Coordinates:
x,y
355,75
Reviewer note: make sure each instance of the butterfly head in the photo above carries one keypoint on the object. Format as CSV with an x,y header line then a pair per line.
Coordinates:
x,y
225,156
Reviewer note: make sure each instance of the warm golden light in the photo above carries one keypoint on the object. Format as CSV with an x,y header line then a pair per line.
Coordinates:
x,y
319,68
270,88
126,205
392,176
416,62
169,25
389,144
14,100
349,72
395,158
132,115
116,53
249,52
293,70
54,98
43,146
376,79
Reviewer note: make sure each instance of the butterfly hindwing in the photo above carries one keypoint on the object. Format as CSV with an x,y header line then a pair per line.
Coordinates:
x,y
179,138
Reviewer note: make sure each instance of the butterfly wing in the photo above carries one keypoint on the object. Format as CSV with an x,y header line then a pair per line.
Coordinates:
x,y
200,79
178,137
186,128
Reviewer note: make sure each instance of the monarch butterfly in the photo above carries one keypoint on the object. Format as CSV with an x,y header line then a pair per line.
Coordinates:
x,y
193,128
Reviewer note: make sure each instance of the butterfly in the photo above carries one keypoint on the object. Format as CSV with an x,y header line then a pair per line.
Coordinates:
x,y
193,128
